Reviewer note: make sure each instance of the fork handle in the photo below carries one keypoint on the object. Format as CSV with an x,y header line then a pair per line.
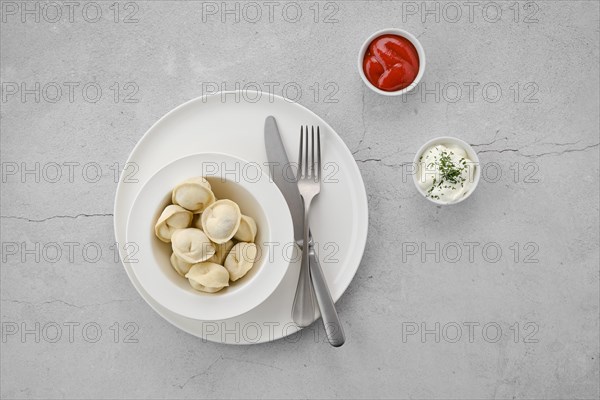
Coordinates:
x,y
331,321
303,309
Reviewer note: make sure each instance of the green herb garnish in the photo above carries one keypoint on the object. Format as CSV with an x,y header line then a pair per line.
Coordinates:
x,y
449,173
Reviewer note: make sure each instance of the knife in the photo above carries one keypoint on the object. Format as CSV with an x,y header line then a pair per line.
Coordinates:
x,y
303,307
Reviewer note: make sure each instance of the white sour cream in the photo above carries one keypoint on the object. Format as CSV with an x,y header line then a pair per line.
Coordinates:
x,y
445,173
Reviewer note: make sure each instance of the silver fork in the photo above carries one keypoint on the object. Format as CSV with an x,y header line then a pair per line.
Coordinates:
x,y
303,310
309,186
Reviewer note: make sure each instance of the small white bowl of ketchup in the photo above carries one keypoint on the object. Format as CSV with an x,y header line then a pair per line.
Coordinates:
x,y
391,62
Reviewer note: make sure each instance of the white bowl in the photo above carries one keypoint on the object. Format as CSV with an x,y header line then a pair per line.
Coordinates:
x,y
448,141
399,32
230,178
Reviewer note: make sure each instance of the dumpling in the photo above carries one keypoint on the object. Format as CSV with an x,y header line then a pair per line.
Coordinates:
x,y
192,245
179,265
240,260
193,194
172,218
208,277
247,230
221,220
222,251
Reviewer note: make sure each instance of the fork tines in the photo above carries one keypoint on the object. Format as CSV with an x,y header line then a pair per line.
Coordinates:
x,y
309,168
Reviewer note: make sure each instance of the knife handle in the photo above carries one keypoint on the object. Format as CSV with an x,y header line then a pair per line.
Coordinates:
x,y
331,321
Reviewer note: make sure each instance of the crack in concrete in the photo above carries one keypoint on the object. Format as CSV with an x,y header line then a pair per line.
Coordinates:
x,y
364,126
82,215
205,372
368,160
499,151
64,302
220,358
561,144
492,142
550,153
253,363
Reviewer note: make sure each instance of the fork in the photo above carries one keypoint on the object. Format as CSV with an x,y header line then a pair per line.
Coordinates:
x,y
309,186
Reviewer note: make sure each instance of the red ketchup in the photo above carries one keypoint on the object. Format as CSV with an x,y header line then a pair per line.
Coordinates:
x,y
391,63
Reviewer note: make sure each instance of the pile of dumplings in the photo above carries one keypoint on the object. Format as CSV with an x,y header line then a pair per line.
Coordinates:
x,y
212,241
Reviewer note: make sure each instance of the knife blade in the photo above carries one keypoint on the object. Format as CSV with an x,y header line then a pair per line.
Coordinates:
x,y
278,166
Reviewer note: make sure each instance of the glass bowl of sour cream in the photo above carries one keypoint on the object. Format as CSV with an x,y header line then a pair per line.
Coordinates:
x,y
447,170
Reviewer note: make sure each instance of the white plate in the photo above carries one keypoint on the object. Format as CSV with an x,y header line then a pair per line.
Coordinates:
x,y
233,122
255,194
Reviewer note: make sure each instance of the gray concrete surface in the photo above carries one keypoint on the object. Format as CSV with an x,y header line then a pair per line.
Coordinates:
x,y
513,270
